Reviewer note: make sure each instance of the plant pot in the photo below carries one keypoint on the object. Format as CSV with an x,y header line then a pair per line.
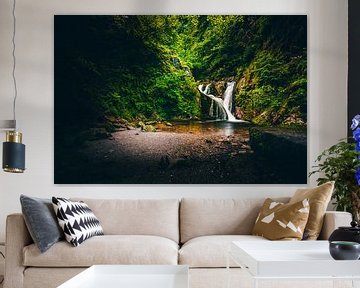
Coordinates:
x,y
351,233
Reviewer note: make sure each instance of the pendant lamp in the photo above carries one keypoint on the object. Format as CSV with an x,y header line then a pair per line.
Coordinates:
x,y
13,160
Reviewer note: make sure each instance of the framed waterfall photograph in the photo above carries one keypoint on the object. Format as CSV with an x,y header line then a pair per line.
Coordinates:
x,y
180,99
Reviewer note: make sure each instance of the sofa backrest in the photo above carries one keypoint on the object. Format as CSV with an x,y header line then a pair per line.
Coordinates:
x,y
200,217
159,217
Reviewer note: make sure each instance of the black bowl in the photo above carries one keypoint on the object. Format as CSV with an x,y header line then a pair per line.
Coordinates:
x,y
344,250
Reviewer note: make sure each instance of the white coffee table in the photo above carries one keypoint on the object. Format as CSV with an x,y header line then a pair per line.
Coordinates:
x,y
131,276
292,260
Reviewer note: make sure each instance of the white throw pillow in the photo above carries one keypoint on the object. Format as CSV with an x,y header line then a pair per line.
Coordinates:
x,y
77,220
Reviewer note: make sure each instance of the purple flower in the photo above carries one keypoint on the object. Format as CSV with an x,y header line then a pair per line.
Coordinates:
x,y
355,122
355,126
357,175
356,134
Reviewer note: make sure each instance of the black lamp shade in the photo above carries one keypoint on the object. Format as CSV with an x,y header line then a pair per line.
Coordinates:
x,y
13,157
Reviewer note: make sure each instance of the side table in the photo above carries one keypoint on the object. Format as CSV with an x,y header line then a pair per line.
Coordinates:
x,y
293,264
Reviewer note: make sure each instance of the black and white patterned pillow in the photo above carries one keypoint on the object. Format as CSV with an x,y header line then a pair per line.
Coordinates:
x,y
77,220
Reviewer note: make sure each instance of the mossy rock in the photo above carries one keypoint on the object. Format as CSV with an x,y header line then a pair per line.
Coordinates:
x,y
281,147
220,88
263,119
149,128
141,125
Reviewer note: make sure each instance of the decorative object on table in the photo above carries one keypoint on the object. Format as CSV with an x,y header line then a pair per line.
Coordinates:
x,y
344,233
279,221
341,163
13,149
77,220
344,250
319,198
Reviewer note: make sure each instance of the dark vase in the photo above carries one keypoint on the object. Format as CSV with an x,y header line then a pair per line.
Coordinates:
x,y
344,250
351,234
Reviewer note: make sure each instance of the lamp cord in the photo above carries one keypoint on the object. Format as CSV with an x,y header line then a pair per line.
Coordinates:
x,y
14,61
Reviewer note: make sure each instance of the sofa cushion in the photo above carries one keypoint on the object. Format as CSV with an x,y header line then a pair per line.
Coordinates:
x,y
41,221
211,251
158,217
77,220
319,198
107,249
200,217
279,221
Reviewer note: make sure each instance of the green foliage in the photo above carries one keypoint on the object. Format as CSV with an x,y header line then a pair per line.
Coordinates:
x,y
137,67
339,163
274,88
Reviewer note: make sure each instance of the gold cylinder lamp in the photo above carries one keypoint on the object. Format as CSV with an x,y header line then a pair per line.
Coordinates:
x,y
13,153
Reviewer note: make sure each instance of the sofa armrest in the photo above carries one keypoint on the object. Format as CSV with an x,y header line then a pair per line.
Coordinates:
x,y
17,237
333,220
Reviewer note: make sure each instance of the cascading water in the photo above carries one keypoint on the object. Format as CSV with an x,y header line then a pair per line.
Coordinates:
x,y
216,109
228,95
222,105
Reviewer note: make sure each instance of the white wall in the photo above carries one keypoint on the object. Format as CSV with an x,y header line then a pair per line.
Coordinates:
x,y
327,99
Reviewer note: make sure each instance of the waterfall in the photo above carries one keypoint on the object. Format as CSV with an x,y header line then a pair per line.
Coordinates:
x,y
228,95
211,110
224,105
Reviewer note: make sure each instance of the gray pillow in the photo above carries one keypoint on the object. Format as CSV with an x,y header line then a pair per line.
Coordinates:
x,y
41,221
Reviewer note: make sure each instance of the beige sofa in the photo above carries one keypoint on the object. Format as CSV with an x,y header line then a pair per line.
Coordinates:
x,y
194,232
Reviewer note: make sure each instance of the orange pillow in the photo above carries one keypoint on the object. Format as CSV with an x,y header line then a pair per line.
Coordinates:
x,y
279,221
319,198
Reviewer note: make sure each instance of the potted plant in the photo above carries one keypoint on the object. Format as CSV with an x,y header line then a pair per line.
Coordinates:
x,y
341,163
